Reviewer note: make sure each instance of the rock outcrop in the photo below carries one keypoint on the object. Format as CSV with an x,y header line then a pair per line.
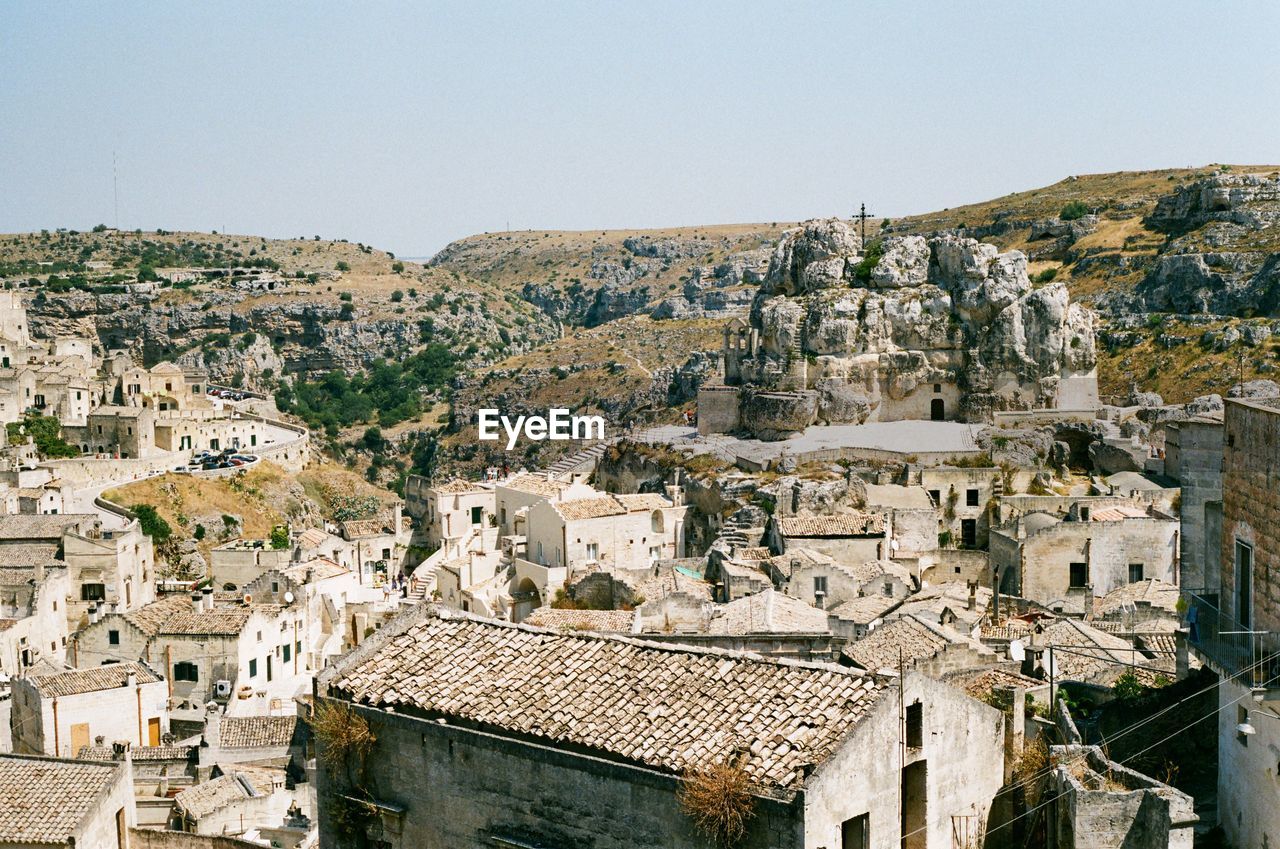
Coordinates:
x,y
947,320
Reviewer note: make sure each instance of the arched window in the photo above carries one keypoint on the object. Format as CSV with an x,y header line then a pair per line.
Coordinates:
x,y
658,521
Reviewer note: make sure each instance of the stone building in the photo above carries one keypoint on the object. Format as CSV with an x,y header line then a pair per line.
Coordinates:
x,y
65,802
853,537
963,496
34,587
916,643
233,565
62,712
609,723
826,584
452,512
1193,457
1235,627
208,651
1064,563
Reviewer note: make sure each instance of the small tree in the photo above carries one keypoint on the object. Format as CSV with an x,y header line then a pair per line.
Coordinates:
x,y
280,537
1073,210
153,524
397,267
343,266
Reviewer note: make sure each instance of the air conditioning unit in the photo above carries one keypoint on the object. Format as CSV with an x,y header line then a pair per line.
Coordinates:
x,y
222,689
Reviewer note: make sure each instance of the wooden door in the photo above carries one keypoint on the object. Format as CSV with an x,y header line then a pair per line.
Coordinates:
x,y
153,731
79,737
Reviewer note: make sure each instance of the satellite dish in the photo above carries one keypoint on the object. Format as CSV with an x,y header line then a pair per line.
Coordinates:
x,y
1016,651
288,597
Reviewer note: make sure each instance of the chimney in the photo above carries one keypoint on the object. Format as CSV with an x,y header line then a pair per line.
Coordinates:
x,y
131,679
93,613
206,599
196,603
973,594
39,570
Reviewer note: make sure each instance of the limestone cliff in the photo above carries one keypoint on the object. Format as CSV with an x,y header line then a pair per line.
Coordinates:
x,y
907,328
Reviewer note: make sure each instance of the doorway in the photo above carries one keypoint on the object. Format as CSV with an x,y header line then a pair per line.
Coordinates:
x,y
937,410
153,731
915,805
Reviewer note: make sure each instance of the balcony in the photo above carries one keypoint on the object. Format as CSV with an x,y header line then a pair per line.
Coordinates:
x,y
1251,655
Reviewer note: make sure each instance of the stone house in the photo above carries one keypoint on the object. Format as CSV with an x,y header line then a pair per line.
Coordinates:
x,y
1193,457
208,651
1065,563
117,431
826,584
916,643
620,534
65,802
963,497
62,712
454,511
844,537
854,619
1247,598
611,723
378,544
106,568
513,498
165,387
233,565
33,622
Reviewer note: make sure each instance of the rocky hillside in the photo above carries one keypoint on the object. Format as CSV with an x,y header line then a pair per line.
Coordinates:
x,y
252,310
589,278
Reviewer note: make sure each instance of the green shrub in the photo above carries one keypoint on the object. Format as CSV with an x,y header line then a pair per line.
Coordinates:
x,y
1073,210
153,524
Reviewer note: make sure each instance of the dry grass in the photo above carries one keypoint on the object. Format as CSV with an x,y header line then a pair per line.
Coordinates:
x,y
344,734
719,801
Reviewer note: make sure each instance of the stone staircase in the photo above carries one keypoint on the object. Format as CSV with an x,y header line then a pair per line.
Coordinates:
x,y
580,461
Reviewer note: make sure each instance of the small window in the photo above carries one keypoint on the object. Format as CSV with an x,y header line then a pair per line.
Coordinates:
x,y
937,387
287,652
915,725
969,532
593,551
113,637
275,586
971,497
386,554
253,668
820,585
1079,575
186,671
477,515
1084,514
93,592
935,495
1135,573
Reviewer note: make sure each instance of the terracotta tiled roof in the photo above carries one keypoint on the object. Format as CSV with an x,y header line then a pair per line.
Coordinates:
x,y
46,799
458,486
668,707
76,681
536,485
252,732
758,552
768,612
29,554
605,621
909,639
980,683
313,538
838,525
1155,593
643,501
865,609
43,526
1117,513
150,617
357,528
589,508
221,621
139,753
214,795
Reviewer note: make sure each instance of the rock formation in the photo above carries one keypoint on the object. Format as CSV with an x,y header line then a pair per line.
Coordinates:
x,y
946,327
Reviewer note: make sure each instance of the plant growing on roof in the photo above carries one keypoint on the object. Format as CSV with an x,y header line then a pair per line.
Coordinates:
x,y
718,799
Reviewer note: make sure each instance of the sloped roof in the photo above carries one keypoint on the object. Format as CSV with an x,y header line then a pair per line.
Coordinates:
x,y
1155,593
46,799
864,609
457,486
313,537
907,639
589,508
214,795
150,617
643,501
139,753
668,707
39,526
253,732
536,485
76,681
836,525
604,621
768,612
29,554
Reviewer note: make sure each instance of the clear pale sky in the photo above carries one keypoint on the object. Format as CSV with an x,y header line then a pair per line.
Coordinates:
x,y
406,126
